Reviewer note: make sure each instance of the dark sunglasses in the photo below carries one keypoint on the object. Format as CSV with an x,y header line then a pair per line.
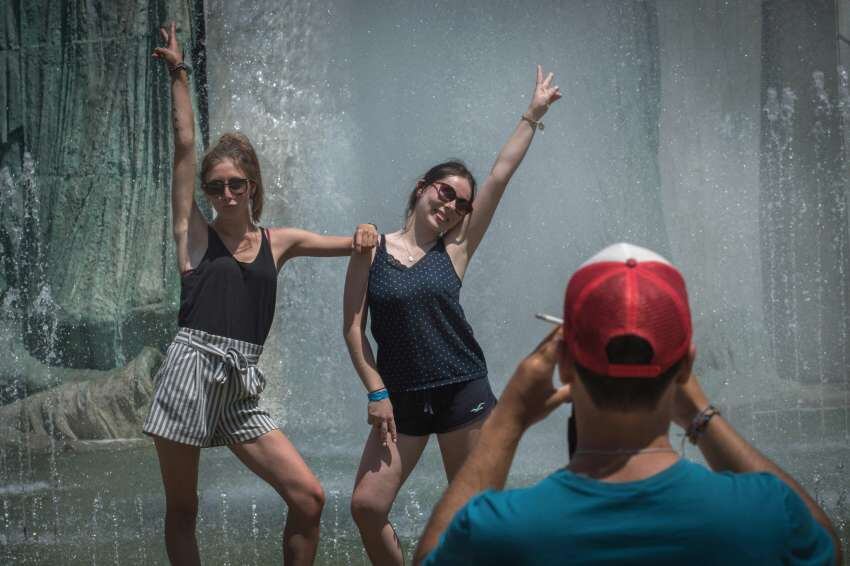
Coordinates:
x,y
237,186
447,193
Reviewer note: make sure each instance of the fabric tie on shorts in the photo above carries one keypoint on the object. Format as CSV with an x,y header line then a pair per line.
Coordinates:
x,y
236,363
425,397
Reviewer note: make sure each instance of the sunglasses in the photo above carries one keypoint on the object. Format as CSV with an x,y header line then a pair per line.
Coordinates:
x,y
446,193
237,186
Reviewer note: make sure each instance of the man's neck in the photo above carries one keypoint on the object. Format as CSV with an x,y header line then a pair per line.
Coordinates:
x,y
622,447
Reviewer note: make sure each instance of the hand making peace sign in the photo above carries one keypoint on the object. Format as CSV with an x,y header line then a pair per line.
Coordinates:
x,y
544,95
171,53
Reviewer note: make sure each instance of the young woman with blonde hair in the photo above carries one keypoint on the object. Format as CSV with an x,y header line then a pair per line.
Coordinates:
x,y
208,389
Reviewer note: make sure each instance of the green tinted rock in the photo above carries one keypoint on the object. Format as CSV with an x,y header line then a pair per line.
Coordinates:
x,y
89,276
89,405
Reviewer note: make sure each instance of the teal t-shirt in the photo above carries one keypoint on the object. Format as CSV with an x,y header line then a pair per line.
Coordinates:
x,y
686,514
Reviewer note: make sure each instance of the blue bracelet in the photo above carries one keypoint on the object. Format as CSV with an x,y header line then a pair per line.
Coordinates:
x,y
378,395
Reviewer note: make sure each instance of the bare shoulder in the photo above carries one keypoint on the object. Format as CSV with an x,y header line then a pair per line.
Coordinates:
x,y
282,238
393,245
454,238
363,260
280,234
457,246
391,239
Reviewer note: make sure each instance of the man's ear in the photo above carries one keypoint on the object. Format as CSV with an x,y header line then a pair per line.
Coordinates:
x,y
688,365
566,368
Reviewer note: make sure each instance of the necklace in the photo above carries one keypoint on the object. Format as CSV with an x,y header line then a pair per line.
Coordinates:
x,y
623,451
407,249
410,257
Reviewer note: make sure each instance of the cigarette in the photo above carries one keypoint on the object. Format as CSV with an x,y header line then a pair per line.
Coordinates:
x,y
549,318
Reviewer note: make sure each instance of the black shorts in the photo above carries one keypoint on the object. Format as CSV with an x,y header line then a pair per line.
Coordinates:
x,y
442,409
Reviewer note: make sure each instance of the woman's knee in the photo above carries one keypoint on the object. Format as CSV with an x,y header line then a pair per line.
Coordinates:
x,y
307,499
368,510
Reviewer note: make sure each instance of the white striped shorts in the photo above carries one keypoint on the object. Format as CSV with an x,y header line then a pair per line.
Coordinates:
x,y
207,392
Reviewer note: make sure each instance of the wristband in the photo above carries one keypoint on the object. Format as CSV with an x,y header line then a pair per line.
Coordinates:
x,y
180,66
534,123
700,423
378,395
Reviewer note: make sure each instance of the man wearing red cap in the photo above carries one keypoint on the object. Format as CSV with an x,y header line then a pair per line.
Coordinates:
x,y
627,497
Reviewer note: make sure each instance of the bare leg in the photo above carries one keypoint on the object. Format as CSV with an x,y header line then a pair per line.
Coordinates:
x,y
382,472
456,445
179,466
274,458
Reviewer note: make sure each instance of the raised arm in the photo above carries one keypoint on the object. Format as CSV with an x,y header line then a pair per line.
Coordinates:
x,y
187,223
511,155
726,451
354,305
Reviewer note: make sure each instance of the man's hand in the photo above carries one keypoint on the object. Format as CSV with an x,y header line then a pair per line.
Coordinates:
x,y
530,394
689,401
727,451
365,238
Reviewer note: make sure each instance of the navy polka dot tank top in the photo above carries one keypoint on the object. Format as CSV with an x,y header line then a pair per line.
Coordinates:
x,y
424,340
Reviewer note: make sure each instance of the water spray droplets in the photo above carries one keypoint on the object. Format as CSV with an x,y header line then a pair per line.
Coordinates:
x,y
225,529
141,531
255,532
97,508
113,513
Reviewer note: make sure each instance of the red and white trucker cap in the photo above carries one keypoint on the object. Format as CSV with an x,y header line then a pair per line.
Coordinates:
x,y
626,289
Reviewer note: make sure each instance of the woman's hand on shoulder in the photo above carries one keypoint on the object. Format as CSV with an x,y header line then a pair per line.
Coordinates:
x,y
544,95
380,416
171,53
365,238
288,243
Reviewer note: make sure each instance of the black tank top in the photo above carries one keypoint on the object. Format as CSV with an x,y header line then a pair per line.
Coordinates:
x,y
227,297
424,340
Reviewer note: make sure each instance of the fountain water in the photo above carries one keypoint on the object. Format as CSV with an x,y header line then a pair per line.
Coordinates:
x,y
95,531
7,546
141,531
255,532
666,137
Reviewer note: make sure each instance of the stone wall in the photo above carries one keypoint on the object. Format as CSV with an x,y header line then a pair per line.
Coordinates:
x,y
89,405
88,276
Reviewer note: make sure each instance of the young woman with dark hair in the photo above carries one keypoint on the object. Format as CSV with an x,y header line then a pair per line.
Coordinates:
x,y
430,375
207,390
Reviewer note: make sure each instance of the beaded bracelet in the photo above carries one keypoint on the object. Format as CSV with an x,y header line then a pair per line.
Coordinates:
x,y
534,123
180,66
700,423
378,395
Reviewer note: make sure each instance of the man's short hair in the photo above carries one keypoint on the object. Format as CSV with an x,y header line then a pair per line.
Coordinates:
x,y
627,393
